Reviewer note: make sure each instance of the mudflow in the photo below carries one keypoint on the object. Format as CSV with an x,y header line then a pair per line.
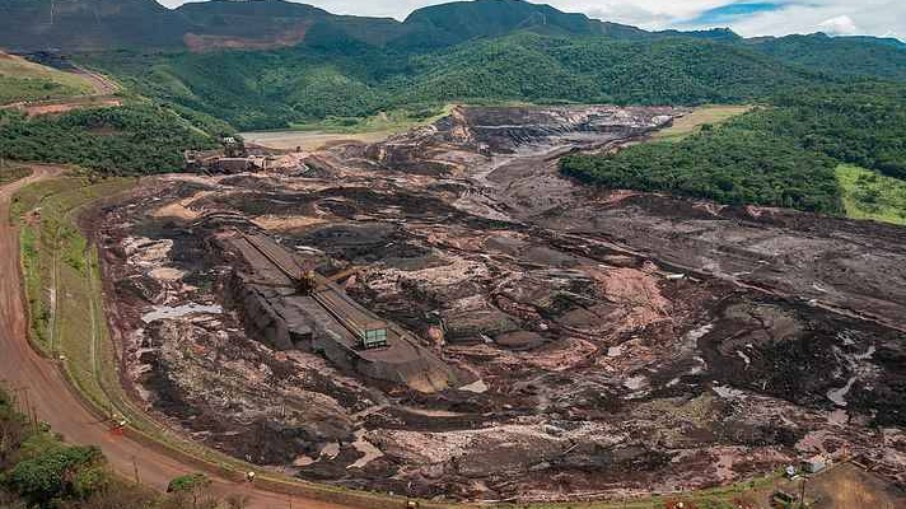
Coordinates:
x,y
591,342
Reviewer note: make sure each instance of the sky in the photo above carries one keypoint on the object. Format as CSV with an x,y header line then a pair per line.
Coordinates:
x,y
883,18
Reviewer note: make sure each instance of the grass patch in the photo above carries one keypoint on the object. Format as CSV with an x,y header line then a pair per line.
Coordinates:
x,y
700,117
21,80
315,135
53,253
12,173
870,195
392,121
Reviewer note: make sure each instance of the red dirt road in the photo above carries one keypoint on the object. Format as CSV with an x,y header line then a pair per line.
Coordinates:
x,y
46,390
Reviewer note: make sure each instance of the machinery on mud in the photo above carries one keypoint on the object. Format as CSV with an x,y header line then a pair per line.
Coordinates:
x,y
370,331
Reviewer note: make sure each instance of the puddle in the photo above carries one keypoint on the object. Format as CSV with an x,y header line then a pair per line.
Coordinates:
x,y
838,396
867,355
431,413
169,312
365,447
478,387
303,461
728,392
695,335
330,451
635,383
837,417
690,340
167,274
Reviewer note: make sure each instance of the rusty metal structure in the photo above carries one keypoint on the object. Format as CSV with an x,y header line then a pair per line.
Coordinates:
x,y
369,329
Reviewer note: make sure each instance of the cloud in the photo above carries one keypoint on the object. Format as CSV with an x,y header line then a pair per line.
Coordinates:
x,y
748,17
726,14
841,17
840,25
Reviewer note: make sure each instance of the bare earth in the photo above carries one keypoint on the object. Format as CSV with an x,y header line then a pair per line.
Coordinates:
x,y
47,391
605,343
309,140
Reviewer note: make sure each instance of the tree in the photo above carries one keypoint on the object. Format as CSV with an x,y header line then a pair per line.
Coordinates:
x,y
54,474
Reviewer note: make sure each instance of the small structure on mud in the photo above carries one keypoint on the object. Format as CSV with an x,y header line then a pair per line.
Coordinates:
x,y
215,162
233,158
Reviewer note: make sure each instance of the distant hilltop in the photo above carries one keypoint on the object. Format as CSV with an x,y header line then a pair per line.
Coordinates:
x,y
98,25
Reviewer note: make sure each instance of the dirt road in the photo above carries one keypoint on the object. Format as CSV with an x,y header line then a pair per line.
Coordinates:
x,y
102,85
102,96
39,380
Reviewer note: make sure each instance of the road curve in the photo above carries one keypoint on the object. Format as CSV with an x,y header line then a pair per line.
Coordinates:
x,y
39,381
102,95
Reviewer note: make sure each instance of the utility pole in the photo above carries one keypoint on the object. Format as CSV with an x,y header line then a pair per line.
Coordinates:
x,y
802,493
135,470
27,405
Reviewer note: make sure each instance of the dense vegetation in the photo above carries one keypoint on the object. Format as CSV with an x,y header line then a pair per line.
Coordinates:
x,y
345,78
784,155
863,123
731,164
136,139
37,470
300,65
851,56
297,63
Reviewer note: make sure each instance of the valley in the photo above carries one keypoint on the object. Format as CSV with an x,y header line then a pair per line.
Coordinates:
x,y
599,340
255,254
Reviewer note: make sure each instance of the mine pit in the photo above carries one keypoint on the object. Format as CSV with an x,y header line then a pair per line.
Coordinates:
x,y
441,314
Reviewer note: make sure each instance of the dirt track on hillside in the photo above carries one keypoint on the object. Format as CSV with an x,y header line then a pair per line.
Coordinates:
x,y
102,97
38,379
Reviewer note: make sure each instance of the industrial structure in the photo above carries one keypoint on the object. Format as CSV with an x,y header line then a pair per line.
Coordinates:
x,y
288,305
368,329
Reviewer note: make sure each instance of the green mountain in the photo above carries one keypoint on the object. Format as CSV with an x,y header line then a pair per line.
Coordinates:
x,y
92,25
88,25
277,23
461,21
268,63
264,89
854,56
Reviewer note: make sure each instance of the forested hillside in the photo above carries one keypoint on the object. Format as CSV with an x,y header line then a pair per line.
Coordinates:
x,y
782,155
841,56
254,90
270,63
273,64
88,25
136,139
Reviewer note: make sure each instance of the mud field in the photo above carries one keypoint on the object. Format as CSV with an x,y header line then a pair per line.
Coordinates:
x,y
612,343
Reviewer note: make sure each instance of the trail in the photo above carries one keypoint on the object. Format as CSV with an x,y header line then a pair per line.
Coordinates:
x,y
103,95
40,381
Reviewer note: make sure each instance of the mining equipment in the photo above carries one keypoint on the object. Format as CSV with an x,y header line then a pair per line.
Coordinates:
x,y
369,330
